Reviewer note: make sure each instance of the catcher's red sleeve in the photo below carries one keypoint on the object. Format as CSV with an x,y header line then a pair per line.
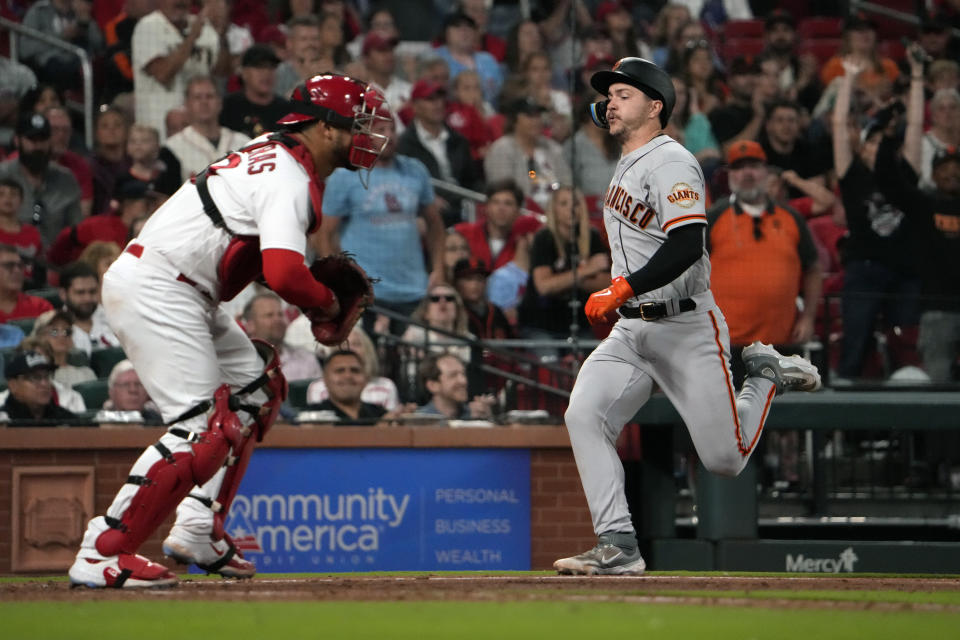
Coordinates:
x,y
286,274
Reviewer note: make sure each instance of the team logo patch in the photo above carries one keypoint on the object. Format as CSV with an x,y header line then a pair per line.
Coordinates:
x,y
683,195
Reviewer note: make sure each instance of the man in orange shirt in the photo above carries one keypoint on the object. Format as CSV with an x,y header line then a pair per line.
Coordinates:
x,y
762,256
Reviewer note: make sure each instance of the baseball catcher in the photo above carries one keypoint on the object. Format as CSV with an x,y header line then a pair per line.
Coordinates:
x,y
245,217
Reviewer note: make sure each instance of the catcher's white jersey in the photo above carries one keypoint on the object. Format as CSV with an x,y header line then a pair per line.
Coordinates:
x,y
263,192
655,189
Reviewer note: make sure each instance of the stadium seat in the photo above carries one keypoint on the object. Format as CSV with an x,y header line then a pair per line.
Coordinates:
x,y
102,361
743,29
50,294
822,49
94,392
25,324
815,28
734,47
298,393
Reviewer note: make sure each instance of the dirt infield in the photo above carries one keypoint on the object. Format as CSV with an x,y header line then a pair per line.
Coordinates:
x,y
658,588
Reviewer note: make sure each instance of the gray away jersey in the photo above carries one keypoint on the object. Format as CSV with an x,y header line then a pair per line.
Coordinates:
x,y
655,189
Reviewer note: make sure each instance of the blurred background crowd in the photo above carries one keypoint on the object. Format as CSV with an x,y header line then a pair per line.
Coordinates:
x,y
827,132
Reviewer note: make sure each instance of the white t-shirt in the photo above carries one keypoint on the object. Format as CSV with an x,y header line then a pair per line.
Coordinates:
x,y
155,37
263,192
195,152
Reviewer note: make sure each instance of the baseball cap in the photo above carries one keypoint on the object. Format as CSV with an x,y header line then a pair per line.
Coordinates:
x,y
745,150
33,126
859,22
259,55
24,362
743,65
470,267
946,155
779,16
426,89
606,8
459,19
934,23
133,190
376,41
524,105
599,61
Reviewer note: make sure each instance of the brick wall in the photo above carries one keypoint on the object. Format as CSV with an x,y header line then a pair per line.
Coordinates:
x,y
111,466
560,520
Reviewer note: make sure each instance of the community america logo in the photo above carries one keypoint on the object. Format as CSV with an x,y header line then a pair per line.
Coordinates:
x,y
843,563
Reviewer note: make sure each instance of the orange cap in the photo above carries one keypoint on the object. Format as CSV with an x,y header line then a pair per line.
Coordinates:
x,y
745,150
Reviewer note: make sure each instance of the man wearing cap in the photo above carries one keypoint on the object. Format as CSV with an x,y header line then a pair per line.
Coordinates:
x,y
51,195
459,51
523,154
303,52
30,380
380,63
741,118
760,252
169,47
255,108
486,320
444,152
203,140
670,331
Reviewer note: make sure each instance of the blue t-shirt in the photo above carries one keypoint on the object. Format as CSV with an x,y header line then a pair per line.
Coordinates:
x,y
487,67
379,224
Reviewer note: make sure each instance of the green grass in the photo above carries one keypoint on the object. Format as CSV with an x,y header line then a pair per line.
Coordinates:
x,y
906,597
145,620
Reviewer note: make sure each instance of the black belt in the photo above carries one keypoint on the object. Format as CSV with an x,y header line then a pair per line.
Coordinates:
x,y
655,310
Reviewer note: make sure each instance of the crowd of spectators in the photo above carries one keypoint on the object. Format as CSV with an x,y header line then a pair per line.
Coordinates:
x,y
829,144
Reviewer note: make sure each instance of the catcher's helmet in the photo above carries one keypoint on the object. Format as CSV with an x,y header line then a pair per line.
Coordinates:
x,y
345,103
644,75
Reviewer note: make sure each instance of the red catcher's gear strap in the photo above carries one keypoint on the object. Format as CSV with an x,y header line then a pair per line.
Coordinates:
x,y
170,479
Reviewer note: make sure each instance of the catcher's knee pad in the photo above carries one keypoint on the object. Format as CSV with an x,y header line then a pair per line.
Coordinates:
x,y
170,475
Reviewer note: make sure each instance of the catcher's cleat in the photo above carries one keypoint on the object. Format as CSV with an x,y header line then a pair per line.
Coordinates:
x,y
123,571
213,556
605,559
788,373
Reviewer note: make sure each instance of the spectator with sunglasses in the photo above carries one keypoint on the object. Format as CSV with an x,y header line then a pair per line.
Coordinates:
x,y
760,252
14,303
51,195
442,309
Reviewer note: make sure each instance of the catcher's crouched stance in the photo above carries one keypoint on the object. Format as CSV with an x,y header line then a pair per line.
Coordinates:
x,y
244,217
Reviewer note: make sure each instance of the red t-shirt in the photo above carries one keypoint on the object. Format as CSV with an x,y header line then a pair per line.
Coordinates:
x,y
27,307
476,235
467,121
28,242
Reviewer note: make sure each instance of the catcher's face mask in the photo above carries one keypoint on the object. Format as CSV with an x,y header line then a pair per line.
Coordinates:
x,y
348,104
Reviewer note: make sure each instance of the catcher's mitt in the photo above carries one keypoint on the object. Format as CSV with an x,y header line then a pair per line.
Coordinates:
x,y
354,291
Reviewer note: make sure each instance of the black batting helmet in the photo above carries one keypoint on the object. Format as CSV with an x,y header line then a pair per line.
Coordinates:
x,y
644,75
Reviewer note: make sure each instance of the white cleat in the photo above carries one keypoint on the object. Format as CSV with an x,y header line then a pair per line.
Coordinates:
x,y
124,571
213,556
788,373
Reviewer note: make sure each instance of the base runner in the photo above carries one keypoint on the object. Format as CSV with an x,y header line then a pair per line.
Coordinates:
x,y
670,332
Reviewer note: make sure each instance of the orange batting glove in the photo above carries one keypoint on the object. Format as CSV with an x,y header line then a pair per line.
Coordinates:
x,y
603,302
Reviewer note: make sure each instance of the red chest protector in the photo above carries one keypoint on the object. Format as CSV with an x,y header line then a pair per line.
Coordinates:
x,y
242,262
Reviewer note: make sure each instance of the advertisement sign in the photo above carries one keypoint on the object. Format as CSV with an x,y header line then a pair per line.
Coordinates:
x,y
320,510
